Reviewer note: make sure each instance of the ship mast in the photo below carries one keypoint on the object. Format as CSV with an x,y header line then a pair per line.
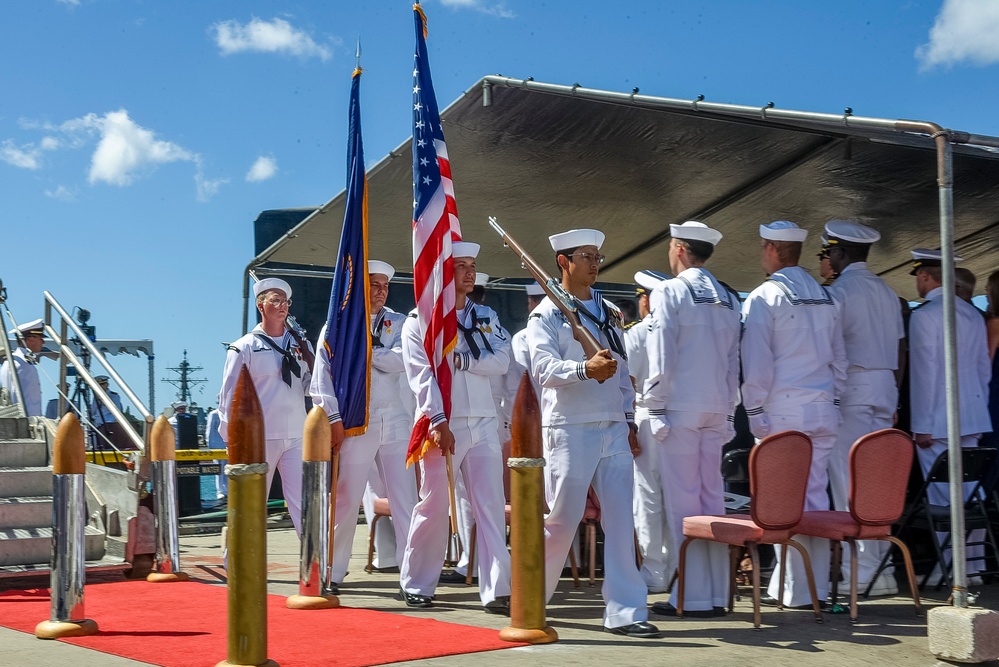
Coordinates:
x,y
186,380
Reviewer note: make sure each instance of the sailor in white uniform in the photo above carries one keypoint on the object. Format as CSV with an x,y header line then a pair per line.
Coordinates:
x,y
25,361
794,370
691,395
658,563
497,384
387,434
521,350
588,427
483,350
872,331
926,380
281,378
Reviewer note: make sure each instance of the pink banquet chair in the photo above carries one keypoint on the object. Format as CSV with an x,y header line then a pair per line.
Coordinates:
x,y
879,474
778,482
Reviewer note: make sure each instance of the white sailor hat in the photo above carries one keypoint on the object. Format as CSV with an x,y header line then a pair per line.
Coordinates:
x,y
32,328
176,405
923,258
847,232
481,279
534,289
648,280
101,378
695,231
464,249
272,283
576,238
783,230
378,266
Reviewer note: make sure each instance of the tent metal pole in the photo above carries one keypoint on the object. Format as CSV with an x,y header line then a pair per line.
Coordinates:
x,y
945,185
945,165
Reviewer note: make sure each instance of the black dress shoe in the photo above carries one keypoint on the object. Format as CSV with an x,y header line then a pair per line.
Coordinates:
x,y
501,605
453,577
414,600
640,630
666,609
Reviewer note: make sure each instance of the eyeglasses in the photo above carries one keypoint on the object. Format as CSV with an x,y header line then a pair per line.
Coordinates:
x,y
589,257
277,303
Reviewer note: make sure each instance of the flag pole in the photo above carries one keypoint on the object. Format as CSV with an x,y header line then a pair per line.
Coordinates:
x,y
450,491
332,526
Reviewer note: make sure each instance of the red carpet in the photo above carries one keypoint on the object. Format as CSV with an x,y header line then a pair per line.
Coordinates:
x,y
184,624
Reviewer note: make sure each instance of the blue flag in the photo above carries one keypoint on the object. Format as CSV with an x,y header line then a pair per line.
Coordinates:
x,y
348,335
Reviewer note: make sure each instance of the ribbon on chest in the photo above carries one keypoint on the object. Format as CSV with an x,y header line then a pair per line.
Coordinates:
x,y
475,327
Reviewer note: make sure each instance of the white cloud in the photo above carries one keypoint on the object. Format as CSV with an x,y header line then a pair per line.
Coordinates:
x,y
61,193
498,9
276,36
264,168
965,30
69,3
28,156
206,188
126,149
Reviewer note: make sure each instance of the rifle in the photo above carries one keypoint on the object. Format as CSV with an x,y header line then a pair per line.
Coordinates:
x,y
298,333
561,298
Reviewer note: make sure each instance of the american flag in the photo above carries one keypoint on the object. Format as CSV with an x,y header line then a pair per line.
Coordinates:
x,y
435,226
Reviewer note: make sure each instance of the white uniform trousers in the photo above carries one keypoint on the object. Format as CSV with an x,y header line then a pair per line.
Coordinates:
x,y
477,457
595,453
285,455
650,516
868,406
690,465
819,421
386,544
939,494
386,441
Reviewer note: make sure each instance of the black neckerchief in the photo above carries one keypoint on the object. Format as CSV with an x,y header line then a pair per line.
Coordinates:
x,y
609,330
469,334
376,328
289,364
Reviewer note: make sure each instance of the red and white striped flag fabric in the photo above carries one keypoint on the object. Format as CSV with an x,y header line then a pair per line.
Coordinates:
x,y
435,226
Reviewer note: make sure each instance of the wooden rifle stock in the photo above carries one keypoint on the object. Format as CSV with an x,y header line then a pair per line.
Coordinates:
x,y
562,299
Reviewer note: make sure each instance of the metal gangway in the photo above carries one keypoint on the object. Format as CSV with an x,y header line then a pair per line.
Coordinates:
x,y
121,529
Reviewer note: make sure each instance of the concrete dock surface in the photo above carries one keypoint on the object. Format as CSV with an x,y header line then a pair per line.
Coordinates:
x,y
888,631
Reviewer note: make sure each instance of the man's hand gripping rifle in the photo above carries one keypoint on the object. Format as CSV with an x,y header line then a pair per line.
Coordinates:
x,y
553,288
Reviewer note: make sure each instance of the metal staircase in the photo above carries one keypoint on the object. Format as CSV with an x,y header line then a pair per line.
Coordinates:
x,y
26,506
120,532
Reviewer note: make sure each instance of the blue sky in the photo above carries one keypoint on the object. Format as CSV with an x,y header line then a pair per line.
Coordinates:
x,y
139,139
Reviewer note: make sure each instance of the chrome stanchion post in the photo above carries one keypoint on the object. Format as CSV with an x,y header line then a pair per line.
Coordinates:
x,y
163,455
314,590
69,523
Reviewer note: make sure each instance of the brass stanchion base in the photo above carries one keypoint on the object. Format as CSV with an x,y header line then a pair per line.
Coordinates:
x,y
165,577
511,634
267,663
60,629
312,602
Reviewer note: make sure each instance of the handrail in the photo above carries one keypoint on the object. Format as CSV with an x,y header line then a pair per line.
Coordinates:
x,y
9,357
66,353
